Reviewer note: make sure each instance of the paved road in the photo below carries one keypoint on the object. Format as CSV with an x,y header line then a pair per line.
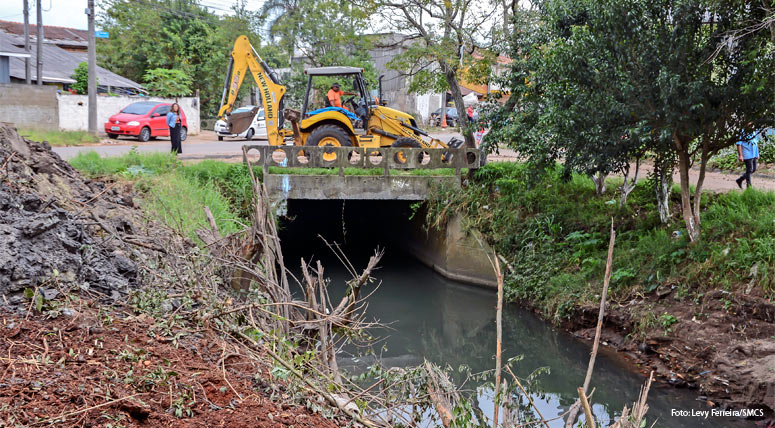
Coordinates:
x,y
202,146
207,146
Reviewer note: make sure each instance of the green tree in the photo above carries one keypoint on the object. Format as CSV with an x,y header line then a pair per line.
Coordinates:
x,y
176,35
281,18
648,70
440,38
324,33
167,83
81,76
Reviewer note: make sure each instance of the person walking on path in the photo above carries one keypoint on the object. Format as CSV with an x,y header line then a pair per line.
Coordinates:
x,y
747,153
173,121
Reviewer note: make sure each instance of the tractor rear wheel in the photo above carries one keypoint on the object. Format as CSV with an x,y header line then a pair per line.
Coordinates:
x,y
408,142
329,136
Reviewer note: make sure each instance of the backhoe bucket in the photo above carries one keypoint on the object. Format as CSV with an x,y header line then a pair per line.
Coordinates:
x,y
240,122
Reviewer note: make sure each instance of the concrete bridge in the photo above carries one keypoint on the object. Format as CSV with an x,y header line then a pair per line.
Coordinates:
x,y
358,173
305,181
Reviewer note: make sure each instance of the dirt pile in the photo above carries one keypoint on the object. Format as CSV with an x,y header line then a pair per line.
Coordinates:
x,y
51,222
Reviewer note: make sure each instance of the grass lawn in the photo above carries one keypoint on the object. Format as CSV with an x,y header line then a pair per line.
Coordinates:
x,y
175,193
60,138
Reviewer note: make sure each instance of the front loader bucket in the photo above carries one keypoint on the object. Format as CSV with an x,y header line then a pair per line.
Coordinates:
x,y
240,122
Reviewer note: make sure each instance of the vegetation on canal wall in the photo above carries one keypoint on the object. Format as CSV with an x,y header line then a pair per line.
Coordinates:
x,y
553,233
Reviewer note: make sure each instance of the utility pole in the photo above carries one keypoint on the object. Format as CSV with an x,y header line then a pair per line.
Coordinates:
x,y
92,86
39,62
27,41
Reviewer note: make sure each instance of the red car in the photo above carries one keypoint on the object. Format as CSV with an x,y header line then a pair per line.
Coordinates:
x,y
144,120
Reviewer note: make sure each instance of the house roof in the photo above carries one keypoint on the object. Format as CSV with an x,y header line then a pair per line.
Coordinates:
x,y
8,49
59,65
60,36
330,71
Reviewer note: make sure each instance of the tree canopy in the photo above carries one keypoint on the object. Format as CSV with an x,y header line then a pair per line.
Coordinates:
x,y
183,35
595,83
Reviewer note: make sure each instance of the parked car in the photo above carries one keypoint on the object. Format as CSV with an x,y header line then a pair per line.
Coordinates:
x,y
144,120
451,117
257,128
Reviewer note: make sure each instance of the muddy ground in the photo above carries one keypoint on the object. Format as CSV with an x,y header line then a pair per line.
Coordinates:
x,y
98,367
51,226
722,345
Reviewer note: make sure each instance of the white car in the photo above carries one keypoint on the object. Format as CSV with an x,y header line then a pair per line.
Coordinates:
x,y
257,128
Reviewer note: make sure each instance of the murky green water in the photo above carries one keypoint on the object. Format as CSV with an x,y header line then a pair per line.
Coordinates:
x,y
447,322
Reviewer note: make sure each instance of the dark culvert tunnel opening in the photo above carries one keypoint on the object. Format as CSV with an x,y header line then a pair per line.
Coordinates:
x,y
357,227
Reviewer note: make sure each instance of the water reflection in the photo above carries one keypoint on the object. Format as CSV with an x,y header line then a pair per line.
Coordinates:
x,y
454,324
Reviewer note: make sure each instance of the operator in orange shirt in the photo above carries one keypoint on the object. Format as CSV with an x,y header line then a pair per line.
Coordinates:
x,y
335,96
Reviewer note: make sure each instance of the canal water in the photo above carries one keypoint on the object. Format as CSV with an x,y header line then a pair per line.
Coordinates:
x,y
450,323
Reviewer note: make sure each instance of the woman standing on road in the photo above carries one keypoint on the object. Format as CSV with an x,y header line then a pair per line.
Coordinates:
x,y
173,121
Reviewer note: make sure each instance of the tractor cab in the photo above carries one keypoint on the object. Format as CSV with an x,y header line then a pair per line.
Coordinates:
x,y
355,97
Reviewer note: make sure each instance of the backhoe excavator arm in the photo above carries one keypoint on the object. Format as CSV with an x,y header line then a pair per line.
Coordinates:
x,y
244,58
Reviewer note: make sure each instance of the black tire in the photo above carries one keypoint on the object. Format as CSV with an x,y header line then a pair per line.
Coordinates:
x,y
144,135
329,131
324,132
113,136
407,142
220,138
183,134
249,135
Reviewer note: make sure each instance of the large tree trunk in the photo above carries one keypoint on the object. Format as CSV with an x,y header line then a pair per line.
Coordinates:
x,y
684,163
457,96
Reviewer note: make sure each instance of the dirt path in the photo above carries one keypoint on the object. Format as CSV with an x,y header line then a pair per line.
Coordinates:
x,y
714,180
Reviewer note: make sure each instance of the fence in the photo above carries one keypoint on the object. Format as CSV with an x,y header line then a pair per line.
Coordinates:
x,y
385,158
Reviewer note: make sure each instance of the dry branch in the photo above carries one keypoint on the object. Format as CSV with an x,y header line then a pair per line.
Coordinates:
x,y
598,329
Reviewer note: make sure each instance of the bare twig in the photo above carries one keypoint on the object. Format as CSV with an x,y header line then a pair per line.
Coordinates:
x,y
529,399
601,314
498,341
78,412
587,409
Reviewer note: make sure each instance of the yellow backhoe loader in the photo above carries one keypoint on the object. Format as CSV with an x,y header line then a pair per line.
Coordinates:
x,y
364,123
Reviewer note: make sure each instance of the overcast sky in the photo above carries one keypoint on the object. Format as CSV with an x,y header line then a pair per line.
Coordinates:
x,y
70,13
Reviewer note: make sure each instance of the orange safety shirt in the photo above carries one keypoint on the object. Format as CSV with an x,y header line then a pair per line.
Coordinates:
x,y
335,98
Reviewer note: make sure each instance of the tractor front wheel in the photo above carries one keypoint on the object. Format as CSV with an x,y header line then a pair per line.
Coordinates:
x,y
408,142
329,136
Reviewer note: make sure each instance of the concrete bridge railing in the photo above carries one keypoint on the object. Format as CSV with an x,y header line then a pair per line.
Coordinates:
x,y
385,158
383,185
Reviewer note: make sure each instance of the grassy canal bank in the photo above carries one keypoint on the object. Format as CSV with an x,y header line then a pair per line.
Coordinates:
x,y
700,314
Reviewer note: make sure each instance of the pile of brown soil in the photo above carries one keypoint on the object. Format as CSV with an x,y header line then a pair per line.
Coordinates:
x,y
71,355
91,369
